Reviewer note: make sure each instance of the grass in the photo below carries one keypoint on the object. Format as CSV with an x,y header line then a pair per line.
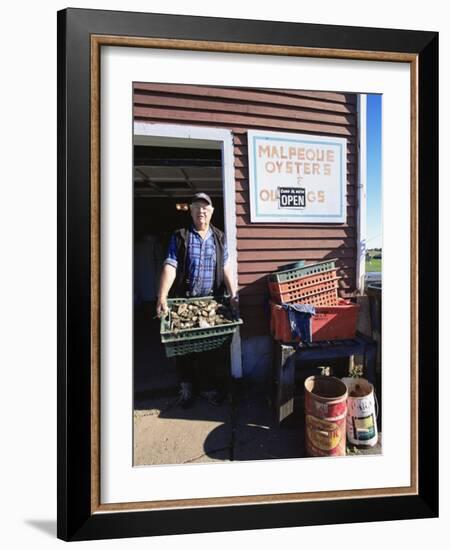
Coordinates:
x,y
373,265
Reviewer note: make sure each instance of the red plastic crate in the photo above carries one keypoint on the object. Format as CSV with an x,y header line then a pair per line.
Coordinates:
x,y
318,289
329,323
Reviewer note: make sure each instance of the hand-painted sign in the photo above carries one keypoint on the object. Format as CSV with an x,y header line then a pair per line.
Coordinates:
x,y
297,178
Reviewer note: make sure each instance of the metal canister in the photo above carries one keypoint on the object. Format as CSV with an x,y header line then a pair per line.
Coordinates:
x,y
325,416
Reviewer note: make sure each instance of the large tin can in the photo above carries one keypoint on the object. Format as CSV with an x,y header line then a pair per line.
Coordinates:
x,y
325,416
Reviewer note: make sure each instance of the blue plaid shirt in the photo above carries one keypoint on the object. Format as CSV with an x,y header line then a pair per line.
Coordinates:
x,y
201,261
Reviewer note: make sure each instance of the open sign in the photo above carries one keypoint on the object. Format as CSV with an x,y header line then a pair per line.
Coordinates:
x,y
291,197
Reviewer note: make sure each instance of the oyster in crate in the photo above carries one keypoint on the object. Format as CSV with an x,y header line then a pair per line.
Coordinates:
x,y
199,314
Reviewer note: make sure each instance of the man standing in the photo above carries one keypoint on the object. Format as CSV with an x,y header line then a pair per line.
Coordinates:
x,y
197,265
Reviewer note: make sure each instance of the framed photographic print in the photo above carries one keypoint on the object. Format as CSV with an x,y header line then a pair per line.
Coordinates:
x,y
247,253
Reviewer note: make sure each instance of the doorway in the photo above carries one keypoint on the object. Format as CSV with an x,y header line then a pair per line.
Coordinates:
x,y
171,164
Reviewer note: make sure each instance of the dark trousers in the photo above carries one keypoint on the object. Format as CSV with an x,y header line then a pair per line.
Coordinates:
x,y
209,370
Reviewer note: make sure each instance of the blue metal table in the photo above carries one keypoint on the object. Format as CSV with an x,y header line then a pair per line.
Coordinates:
x,y
289,357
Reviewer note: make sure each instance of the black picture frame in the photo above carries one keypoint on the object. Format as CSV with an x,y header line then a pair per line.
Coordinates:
x,y
76,518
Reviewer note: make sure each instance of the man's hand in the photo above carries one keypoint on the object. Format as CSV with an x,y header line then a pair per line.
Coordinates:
x,y
161,306
168,275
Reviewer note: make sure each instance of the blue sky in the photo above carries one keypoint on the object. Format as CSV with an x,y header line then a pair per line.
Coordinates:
x,y
374,228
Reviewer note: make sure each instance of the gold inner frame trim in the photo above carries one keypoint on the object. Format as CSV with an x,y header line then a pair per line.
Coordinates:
x,y
97,41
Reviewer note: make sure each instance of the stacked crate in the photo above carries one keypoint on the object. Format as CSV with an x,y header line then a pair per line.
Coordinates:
x,y
316,284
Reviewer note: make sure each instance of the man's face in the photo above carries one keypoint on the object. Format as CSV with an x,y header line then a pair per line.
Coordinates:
x,y
201,212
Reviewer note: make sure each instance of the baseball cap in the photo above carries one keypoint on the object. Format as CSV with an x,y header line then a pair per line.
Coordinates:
x,y
201,196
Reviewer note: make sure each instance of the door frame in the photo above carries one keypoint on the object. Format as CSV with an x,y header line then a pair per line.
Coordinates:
x,y
208,137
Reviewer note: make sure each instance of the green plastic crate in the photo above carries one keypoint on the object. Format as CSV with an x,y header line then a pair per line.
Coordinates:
x,y
194,340
310,269
293,265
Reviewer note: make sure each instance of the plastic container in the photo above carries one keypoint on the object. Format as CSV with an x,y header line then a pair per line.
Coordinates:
x,y
329,323
311,269
326,296
293,265
194,340
319,289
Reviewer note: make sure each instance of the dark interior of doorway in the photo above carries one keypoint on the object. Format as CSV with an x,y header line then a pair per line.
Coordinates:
x,y
165,179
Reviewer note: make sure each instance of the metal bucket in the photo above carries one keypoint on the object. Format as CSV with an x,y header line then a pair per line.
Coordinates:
x,y
361,412
325,416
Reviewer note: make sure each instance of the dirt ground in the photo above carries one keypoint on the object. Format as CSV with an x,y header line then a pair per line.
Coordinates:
x,y
243,427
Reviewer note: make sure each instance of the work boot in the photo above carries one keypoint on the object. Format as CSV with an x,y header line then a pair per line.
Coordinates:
x,y
185,397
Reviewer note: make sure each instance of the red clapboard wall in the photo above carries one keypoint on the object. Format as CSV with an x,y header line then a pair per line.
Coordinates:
x,y
262,248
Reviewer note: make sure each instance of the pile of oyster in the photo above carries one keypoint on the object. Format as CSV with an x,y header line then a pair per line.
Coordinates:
x,y
199,314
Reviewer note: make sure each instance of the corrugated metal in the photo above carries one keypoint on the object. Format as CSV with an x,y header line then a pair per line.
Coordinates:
x,y
262,248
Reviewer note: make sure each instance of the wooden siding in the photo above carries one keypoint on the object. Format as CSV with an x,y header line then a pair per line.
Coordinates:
x,y
262,248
